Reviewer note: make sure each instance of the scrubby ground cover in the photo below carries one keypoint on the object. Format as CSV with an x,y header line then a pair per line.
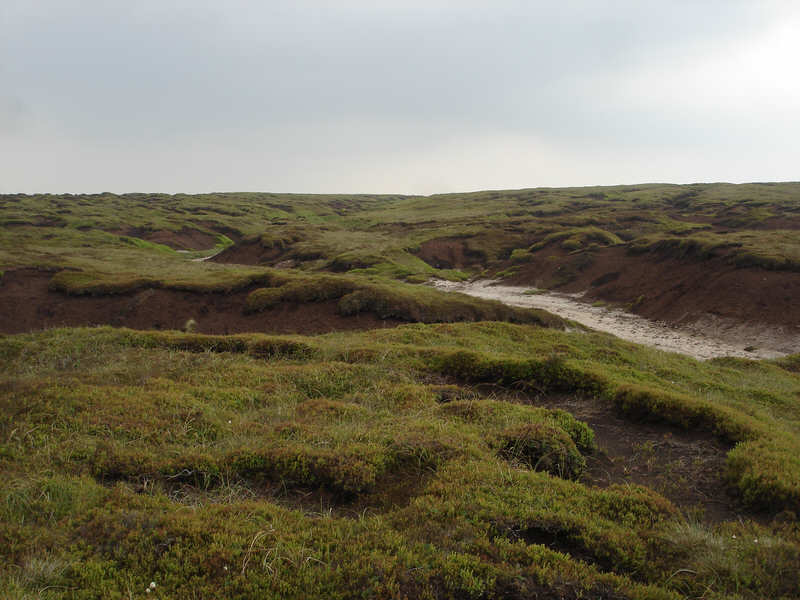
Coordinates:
x,y
421,461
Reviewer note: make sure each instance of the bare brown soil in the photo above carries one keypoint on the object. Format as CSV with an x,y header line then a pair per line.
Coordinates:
x,y
26,304
669,289
249,253
685,467
184,239
448,253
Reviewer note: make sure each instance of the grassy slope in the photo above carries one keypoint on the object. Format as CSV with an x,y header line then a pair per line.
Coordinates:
x,y
328,467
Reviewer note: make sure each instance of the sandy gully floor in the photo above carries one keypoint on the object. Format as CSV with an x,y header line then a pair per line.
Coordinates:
x,y
706,338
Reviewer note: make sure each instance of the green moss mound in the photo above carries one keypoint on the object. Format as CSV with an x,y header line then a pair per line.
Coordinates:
x,y
543,448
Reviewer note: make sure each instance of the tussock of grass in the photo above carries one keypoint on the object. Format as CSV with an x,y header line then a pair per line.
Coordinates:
x,y
577,238
641,402
258,346
519,255
550,374
299,290
543,448
281,239
81,283
769,250
736,559
78,283
425,305
701,246
145,245
393,300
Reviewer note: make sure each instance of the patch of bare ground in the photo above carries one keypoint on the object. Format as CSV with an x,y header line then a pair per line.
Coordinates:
x,y
27,304
249,252
449,253
686,467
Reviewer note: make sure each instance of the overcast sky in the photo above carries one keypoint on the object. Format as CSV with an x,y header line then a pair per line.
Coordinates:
x,y
394,96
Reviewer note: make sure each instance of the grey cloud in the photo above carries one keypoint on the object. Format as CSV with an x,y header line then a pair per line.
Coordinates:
x,y
316,81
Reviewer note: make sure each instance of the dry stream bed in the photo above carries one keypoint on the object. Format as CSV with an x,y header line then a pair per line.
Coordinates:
x,y
703,339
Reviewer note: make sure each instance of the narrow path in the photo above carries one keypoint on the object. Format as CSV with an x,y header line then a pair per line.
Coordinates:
x,y
622,324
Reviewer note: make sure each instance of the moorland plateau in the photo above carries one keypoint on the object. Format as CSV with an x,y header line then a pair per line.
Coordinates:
x,y
253,395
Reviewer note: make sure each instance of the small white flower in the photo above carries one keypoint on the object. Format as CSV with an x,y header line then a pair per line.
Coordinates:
x,y
229,421
152,585
756,540
734,536
225,567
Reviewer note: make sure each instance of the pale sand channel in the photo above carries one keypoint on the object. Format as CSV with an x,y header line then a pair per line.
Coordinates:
x,y
694,340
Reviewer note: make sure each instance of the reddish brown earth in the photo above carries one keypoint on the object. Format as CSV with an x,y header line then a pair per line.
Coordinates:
x,y
448,253
184,239
248,253
669,289
26,304
685,467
